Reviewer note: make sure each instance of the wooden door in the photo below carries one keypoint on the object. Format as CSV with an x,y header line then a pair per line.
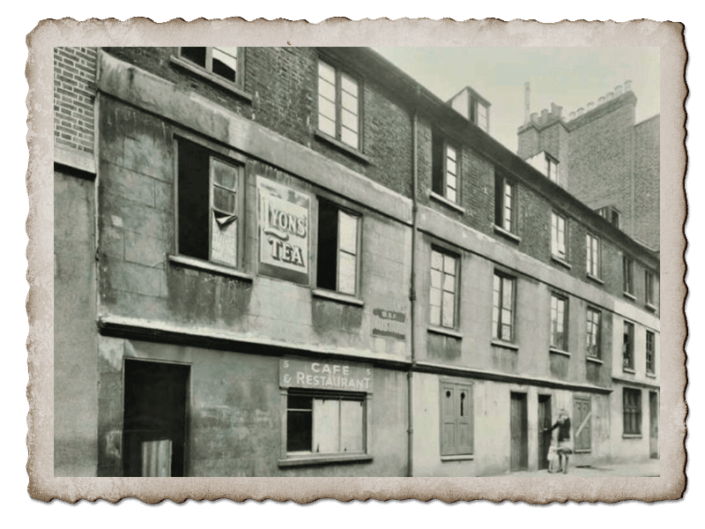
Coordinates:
x,y
653,424
544,428
154,428
519,459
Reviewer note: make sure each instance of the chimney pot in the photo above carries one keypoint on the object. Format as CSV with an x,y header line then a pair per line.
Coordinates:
x,y
590,106
571,116
609,96
618,90
601,101
581,111
627,86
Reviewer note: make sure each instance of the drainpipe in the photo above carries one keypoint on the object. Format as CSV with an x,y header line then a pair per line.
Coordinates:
x,y
412,293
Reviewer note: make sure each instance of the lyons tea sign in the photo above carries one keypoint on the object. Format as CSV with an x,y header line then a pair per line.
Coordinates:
x,y
284,216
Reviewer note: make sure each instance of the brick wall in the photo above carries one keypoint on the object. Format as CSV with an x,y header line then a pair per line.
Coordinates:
x,y
646,181
74,95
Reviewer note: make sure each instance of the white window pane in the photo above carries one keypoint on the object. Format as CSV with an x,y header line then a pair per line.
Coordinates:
x,y
451,195
232,51
224,65
451,181
349,137
448,309
451,167
449,283
435,297
508,294
326,426
449,264
435,315
495,321
326,125
349,84
326,71
350,120
436,260
351,427
347,273
436,279
450,153
326,89
347,232
223,240
326,108
349,102
224,174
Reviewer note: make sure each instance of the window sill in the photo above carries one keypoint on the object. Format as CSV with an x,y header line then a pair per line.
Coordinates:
x,y
583,451
458,458
343,147
650,307
631,436
629,295
628,370
561,262
199,264
558,351
593,359
595,279
507,234
651,375
324,460
336,296
505,345
178,61
443,200
446,332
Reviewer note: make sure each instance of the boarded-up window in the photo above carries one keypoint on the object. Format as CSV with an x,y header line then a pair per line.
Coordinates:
x,y
582,422
320,424
457,419
338,248
209,204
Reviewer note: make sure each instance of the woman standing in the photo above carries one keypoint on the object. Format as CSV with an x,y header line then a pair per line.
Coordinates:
x,y
565,446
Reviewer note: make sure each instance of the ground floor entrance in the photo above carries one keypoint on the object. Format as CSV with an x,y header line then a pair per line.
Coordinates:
x,y
519,420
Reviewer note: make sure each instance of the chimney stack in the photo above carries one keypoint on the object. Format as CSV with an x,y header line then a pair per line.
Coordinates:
x,y
534,117
544,115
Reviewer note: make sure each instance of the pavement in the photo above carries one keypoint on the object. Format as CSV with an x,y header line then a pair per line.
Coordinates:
x,y
650,469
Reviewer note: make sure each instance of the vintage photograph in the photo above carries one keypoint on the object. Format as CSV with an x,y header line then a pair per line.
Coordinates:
x,y
356,262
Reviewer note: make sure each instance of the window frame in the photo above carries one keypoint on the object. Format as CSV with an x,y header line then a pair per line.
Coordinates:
x,y
231,159
358,241
559,297
207,69
628,361
338,103
553,162
598,338
631,412
554,236
628,275
456,450
444,252
650,352
591,258
306,457
649,288
501,207
497,325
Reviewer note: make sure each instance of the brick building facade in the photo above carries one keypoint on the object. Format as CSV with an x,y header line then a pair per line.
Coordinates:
x,y
299,262
604,158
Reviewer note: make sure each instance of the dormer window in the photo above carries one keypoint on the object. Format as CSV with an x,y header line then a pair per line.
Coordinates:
x,y
480,114
611,214
552,170
473,107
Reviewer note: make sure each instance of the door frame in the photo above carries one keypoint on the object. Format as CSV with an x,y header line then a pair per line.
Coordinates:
x,y
524,452
543,436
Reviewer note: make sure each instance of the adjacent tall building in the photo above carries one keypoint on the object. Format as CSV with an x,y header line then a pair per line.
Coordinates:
x,y
300,262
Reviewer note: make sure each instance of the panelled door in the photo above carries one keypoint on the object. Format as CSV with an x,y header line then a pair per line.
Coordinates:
x,y
544,427
519,458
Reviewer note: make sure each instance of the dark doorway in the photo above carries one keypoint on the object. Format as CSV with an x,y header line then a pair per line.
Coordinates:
x,y
653,424
519,433
544,428
154,430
